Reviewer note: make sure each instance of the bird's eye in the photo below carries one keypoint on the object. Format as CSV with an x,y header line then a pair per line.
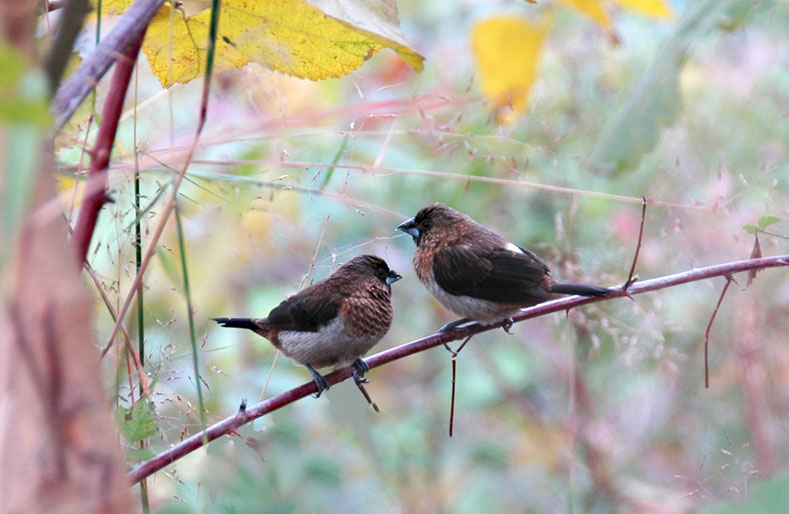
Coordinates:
x,y
427,223
381,273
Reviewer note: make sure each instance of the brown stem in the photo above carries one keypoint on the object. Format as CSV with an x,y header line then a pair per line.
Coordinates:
x,y
229,425
707,333
95,199
454,377
630,278
126,339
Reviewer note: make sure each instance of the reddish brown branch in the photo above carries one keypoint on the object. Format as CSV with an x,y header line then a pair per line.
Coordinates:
x,y
243,416
707,332
96,196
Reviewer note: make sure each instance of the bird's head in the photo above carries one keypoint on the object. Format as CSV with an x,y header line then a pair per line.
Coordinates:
x,y
434,220
369,267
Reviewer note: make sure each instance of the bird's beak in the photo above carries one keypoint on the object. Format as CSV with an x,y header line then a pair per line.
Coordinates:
x,y
409,227
392,277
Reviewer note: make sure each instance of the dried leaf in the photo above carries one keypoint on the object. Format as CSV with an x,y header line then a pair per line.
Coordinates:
x,y
755,254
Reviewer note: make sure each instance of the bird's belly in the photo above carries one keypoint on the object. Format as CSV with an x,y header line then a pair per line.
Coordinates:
x,y
470,307
329,346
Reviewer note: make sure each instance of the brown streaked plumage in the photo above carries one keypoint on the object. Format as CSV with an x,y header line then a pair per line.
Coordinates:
x,y
477,273
333,322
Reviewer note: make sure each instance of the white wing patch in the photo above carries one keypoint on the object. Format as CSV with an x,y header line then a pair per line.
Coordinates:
x,y
513,248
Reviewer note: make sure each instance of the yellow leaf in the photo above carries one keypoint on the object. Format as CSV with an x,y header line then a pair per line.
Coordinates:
x,y
592,8
289,36
507,51
113,6
378,18
655,8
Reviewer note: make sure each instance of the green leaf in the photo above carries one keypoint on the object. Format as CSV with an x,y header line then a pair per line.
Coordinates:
x,y
751,229
137,423
766,221
137,455
654,101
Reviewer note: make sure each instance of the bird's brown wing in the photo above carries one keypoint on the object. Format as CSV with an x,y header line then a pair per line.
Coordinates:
x,y
305,312
497,275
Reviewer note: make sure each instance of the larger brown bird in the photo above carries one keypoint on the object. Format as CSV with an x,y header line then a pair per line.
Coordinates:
x,y
334,322
477,273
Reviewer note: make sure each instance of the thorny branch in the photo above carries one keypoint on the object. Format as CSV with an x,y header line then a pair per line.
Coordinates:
x,y
245,415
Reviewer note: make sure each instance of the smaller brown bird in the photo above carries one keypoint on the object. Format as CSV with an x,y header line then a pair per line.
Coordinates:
x,y
333,322
477,273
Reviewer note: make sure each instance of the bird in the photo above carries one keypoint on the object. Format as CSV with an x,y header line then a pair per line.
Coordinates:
x,y
477,273
333,322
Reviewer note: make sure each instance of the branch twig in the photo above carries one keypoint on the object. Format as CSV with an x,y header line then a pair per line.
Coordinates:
x,y
729,280
245,415
454,377
630,279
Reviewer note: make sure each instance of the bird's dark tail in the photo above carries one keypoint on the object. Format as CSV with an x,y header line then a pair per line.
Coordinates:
x,y
580,289
238,323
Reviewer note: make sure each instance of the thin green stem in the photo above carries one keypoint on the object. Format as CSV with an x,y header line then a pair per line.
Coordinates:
x,y
146,508
188,294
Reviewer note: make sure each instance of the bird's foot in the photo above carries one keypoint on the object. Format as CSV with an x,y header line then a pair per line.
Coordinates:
x,y
455,326
360,367
508,325
320,382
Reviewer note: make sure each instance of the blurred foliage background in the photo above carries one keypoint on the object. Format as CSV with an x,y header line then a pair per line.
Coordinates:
x,y
601,410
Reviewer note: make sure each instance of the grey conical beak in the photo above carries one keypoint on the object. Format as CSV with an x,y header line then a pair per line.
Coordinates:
x,y
393,277
409,227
